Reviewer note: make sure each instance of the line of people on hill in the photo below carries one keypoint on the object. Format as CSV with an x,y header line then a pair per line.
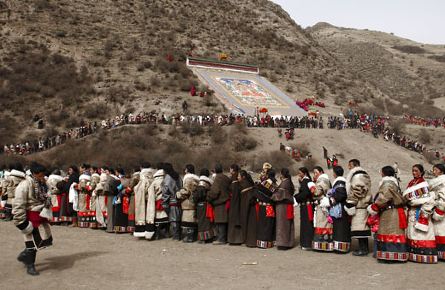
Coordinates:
x,y
48,142
378,126
425,122
155,203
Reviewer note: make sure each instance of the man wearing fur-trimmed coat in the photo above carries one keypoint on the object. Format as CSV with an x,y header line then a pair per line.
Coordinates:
x,y
30,208
157,223
185,196
359,196
140,199
218,197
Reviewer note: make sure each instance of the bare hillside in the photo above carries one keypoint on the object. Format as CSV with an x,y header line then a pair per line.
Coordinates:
x,y
410,75
69,61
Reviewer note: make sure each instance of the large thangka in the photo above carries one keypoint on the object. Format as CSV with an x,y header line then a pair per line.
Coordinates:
x,y
249,93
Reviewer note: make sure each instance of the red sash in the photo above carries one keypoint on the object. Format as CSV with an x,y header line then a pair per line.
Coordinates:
x,y
159,205
125,204
59,201
210,214
402,218
87,201
310,212
228,205
270,212
290,212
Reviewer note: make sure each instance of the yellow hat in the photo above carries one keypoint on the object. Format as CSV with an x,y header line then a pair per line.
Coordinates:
x,y
267,166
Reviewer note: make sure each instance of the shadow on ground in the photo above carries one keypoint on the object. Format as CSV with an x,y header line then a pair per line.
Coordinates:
x,y
61,263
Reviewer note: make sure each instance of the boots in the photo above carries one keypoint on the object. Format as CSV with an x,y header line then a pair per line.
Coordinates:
x,y
175,230
189,234
222,234
28,257
363,249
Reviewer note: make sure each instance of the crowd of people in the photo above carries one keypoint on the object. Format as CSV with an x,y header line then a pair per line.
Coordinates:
x,y
425,122
221,206
261,120
378,126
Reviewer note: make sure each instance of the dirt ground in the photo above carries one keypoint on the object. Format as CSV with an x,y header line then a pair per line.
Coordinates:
x,y
89,259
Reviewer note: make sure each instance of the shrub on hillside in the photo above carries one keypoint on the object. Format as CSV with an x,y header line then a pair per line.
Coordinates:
x,y
424,136
398,126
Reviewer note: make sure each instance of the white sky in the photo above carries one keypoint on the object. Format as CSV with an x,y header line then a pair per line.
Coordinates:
x,y
418,20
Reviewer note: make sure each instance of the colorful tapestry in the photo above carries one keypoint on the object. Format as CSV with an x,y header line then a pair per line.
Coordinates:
x,y
250,93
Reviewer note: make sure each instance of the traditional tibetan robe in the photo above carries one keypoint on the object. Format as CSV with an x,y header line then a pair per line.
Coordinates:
x,y
235,233
111,191
100,202
129,198
284,208
204,211
31,200
323,229
156,217
306,203
390,236
67,214
170,202
437,186
53,183
140,201
84,195
358,188
265,210
420,232
340,219
248,212
121,206
95,180
185,196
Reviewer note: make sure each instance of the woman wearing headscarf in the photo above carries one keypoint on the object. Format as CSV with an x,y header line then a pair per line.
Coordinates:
x,y
389,206
284,208
420,232
305,200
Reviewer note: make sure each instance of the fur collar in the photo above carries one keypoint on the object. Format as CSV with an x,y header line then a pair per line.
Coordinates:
x,y
17,173
340,178
192,176
147,170
55,177
352,172
439,180
6,173
389,179
113,176
323,176
205,179
159,173
103,177
84,177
